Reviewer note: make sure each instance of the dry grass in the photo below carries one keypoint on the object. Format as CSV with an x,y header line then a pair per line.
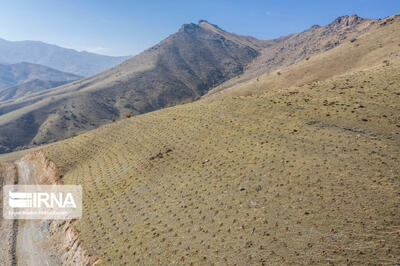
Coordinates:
x,y
378,44
308,175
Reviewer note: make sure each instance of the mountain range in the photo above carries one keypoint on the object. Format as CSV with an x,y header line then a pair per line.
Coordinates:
x,y
53,56
23,79
197,61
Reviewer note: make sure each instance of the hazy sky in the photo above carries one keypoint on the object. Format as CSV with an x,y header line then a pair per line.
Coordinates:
x,y
117,27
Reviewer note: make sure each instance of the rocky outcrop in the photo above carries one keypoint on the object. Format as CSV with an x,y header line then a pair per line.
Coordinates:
x,y
46,170
67,241
347,21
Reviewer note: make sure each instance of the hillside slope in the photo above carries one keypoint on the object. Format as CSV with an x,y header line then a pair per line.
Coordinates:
x,y
63,59
179,69
348,43
16,74
307,175
26,89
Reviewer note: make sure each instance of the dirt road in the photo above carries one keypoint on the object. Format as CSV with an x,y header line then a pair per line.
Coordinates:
x,y
8,228
32,246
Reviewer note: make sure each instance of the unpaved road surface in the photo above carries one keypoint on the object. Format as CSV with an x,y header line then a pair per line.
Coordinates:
x,y
8,228
32,246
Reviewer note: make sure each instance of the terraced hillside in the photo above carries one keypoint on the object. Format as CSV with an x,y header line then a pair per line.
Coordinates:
x,y
307,175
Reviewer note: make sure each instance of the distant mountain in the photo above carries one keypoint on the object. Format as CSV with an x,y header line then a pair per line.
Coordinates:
x,y
16,74
66,60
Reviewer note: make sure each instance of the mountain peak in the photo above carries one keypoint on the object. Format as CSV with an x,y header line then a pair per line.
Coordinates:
x,y
209,26
202,24
203,21
189,28
348,20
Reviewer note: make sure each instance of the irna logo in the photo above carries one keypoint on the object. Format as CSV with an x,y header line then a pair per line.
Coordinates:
x,y
42,202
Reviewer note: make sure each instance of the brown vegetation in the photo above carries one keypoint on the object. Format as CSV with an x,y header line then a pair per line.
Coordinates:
x,y
266,179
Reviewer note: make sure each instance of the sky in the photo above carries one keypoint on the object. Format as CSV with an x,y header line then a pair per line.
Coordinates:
x,y
117,27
